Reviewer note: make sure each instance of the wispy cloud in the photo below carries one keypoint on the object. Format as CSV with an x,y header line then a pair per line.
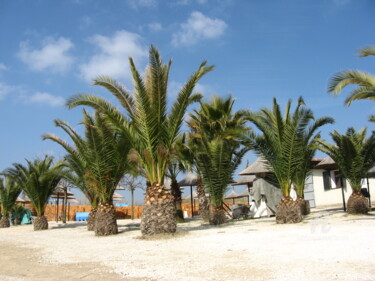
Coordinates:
x,y
198,27
86,21
5,89
155,26
53,55
112,57
2,66
44,99
135,4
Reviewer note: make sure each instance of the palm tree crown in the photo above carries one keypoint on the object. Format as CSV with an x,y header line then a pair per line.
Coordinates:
x,y
282,140
147,124
353,153
98,160
9,191
364,81
37,179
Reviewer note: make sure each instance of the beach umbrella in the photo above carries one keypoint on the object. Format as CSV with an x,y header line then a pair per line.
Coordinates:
x,y
190,180
258,167
232,195
117,197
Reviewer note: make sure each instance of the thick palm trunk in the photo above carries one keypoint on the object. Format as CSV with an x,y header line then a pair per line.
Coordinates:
x,y
288,211
304,205
40,223
217,215
4,222
176,192
159,211
357,203
91,220
105,220
204,206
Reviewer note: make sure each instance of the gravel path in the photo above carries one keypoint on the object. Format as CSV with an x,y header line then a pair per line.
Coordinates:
x,y
325,246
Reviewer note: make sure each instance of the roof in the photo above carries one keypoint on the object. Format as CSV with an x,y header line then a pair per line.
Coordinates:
x,y
244,180
231,195
327,163
258,167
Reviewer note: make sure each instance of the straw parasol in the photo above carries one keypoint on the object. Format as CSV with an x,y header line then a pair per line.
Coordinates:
x,y
231,195
327,164
258,167
117,197
189,180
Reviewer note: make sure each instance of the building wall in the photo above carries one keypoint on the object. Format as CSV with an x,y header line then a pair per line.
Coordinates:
x,y
333,196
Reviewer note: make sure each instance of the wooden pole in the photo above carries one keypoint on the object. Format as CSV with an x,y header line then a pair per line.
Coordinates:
x,y
191,201
57,207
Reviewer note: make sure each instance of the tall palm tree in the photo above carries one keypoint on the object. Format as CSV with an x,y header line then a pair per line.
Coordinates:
x,y
150,129
78,163
310,145
281,144
102,163
38,180
219,135
354,154
9,191
364,81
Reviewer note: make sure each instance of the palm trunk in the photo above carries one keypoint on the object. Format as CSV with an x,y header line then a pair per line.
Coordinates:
x,y
204,206
4,222
159,211
357,203
176,192
304,205
105,220
217,215
132,194
288,211
40,223
91,220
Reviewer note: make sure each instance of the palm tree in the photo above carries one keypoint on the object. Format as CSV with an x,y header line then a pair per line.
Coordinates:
x,y
131,183
354,155
150,129
78,164
100,161
364,81
310,145
218,135
38,180
282,145
9,191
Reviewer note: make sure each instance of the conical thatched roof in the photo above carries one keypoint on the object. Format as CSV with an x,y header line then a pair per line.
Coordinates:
x,y
244,180
189,180
327,163
258,167
231,195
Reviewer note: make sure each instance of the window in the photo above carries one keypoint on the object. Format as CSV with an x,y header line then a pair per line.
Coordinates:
x,y
327,180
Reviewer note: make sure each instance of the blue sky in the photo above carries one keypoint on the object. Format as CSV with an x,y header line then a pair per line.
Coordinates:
x,y
50,50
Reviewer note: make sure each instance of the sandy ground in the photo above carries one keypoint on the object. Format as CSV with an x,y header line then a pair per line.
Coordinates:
x,y
327,245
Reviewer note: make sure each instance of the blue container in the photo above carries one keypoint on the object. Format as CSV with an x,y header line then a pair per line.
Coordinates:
x,y
82,216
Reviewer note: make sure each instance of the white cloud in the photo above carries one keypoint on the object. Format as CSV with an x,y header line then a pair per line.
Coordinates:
x,y
198,27
155,26
53,55
45,98
5,90
201,2
112,58
135,4
2,66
